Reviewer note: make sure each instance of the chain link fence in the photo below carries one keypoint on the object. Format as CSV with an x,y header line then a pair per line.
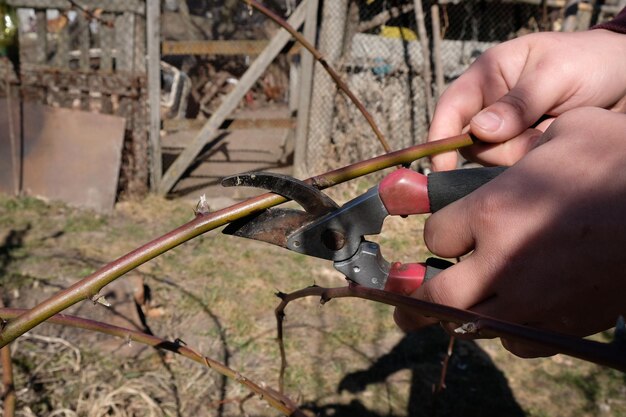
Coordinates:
x,y
397,56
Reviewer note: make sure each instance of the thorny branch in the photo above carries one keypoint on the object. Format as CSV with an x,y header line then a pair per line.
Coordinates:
x,y
606,354
8,389
89,287
273,398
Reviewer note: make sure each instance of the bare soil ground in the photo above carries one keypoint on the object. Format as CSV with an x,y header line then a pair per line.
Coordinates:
x,y
216,293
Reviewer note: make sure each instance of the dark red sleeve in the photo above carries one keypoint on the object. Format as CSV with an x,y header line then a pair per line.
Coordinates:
x,y
616,25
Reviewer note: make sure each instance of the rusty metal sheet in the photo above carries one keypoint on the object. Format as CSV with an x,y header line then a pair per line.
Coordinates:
x,y
9,146
71,155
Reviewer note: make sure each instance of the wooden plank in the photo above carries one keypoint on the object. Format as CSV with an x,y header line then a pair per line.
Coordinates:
x,y
124,29
133,6
83,41
139,44
42,37
331,41
119,83
231,101
438,62
304,98
107,36
153,14
241,47
230,124
10,145
220,47
426,70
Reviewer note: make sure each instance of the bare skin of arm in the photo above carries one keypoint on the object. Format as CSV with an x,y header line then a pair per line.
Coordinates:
x,y
547,237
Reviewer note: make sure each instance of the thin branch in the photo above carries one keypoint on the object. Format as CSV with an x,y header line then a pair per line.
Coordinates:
x,y
89,287
273,398
320,58
444,366
91,15
605,354
8,394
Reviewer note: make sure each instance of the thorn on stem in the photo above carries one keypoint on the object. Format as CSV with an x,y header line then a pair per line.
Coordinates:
x,y
467,328
280,295
100,299
202,207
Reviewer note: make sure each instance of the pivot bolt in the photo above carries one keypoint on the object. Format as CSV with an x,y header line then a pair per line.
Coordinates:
x,y
333,239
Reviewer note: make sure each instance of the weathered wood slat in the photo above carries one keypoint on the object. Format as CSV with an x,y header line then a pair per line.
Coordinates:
x,y
126,85
41,46
153,64
304,99
231,124
107,39
231,101
133,6
124,30
240,47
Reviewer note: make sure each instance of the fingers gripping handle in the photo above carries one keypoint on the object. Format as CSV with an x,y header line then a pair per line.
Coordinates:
x,y
405,192
448,186
406,278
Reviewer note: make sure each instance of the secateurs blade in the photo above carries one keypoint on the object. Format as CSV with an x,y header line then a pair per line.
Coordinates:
x,y
326,230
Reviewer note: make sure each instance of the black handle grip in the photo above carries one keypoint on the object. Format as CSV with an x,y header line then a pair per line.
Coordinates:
x,y
448,186
435,266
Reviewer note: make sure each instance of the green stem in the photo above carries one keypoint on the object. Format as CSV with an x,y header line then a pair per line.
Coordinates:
x,y
276,400
89,287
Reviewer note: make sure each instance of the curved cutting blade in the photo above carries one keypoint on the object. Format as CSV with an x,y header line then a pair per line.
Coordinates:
x,y
273,225
310,198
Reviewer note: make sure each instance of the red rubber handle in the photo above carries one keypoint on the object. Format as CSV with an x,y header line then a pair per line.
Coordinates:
x,y
405,192
405,278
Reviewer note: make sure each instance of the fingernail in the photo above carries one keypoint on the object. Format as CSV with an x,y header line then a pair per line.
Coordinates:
x,y
487,121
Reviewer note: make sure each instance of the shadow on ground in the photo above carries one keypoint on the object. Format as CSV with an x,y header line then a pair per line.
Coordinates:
x,y
474,385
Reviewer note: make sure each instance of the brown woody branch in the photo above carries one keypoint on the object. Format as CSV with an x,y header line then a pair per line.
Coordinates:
x,y
8,394
606,354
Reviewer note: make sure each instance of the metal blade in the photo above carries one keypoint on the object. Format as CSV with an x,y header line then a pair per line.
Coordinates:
x,y
310,198
272,225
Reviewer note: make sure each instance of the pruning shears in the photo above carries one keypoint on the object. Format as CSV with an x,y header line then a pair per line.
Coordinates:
x,y
338,233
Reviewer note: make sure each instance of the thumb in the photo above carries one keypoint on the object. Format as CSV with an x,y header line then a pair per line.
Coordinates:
x,y
516,111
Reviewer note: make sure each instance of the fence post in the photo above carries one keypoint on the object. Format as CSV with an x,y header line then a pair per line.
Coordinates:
x,y
322,102
426,71
153,14
306,85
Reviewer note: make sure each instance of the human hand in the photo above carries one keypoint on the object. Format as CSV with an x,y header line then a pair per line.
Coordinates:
x,y
548,235
512,85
